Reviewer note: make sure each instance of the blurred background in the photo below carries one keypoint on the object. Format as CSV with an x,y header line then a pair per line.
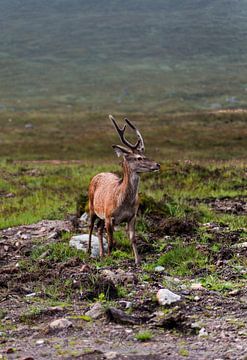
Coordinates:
x,y
128,55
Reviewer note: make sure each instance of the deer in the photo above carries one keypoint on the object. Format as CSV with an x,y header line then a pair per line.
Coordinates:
x,y
114,200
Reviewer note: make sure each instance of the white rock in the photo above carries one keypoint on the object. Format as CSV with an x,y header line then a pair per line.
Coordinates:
x,y
31,294
40,342
203,332
159,268
96,311
110,355
166,297
80,242
84,218
60,324
242,245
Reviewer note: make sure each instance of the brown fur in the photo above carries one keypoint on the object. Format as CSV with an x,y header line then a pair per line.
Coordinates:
x,y
114,200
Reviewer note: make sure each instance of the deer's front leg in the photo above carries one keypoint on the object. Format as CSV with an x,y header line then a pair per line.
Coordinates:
x,y
109,230
92,221
131,232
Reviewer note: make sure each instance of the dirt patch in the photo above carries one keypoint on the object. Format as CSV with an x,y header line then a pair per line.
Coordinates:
x,y
31,298
161,226
228,205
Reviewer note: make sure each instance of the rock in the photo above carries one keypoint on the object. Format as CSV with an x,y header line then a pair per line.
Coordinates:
x,y
159,268
31,294
196,325
197,286
203,333
97,311
40,342
242,245
120,277
84,218
80,242
110,355
28,126
166,297
120,317
85,268
60,324
126,304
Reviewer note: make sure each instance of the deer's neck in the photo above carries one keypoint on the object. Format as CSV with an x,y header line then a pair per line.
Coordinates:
x,y
129,185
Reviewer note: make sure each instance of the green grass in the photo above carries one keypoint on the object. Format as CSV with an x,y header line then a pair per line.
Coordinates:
x,y
144,335
212,282
51,191
183,260
57,252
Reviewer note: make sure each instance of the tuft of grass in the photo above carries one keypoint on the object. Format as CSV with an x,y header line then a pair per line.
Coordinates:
x,y
183,260
183,352
144,336
212,282
31,314
57,252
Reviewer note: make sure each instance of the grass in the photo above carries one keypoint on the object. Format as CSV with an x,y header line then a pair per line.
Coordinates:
x,y
56,252
144,336
78,136
183,260
51,191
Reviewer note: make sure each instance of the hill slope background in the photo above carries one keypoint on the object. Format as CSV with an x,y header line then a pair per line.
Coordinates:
x,y
123,56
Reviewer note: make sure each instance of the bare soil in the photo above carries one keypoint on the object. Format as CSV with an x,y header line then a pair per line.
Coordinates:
x,y
25,334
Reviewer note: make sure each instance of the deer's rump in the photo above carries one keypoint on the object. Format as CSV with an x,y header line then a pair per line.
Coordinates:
x,y
103,194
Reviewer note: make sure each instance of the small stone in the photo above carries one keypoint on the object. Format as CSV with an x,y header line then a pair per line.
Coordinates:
x,y
40,342
159,268
53,235
234,292
31,294
110,355
197,286
197,298
196,325
240,245
166,297
84,218
203,333
96,311
85,268
60,324
126,304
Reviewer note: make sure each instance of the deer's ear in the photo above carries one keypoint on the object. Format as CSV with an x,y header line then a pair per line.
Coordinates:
x,y
120,150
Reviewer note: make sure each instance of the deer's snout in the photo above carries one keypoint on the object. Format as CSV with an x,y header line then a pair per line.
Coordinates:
x,y
156,167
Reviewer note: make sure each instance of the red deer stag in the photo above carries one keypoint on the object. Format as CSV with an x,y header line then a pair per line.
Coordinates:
x,y
114,200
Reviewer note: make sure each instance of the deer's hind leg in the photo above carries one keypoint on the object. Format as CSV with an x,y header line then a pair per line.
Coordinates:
x,y
131,233
93,217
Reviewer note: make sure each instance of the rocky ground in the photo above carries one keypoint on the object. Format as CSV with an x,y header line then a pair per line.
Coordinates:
x,y
110,310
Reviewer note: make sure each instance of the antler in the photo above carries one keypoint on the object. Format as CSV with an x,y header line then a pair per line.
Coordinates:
x,y
139,146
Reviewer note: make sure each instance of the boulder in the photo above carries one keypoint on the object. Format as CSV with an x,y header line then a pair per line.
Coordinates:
x,y
80,242
97,311
60,324
166,297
